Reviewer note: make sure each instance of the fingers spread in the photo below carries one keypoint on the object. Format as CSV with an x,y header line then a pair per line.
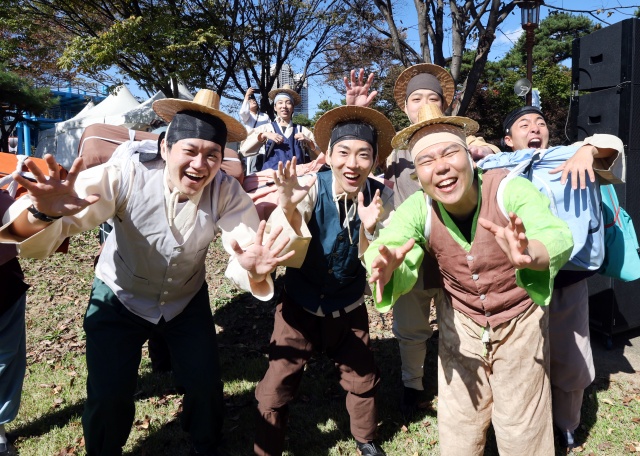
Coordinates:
x,y
489,226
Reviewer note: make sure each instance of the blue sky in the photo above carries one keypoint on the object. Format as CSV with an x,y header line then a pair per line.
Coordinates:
x,y
506,36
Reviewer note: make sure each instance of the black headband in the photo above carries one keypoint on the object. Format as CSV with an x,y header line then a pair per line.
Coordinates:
x,y
194,124
517,113
424,81
354,130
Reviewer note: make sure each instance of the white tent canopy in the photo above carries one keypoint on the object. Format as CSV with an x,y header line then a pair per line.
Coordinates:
x,y
119,108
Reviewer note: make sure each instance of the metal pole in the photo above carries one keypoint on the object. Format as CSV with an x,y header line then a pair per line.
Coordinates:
x,y
529,45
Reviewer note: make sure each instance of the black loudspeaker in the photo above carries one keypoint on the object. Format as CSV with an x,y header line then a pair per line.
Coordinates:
x,y
607,63
607,57
615,111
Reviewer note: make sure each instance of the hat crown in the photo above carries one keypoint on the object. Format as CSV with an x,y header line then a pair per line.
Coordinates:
x,y
429,111
207,98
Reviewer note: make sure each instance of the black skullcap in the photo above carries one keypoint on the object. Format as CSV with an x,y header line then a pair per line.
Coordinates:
x,y
354,130
424,81
517,113
194,124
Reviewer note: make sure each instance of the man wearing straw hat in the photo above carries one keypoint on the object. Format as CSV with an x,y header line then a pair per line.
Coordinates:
x,y
150,278
415,87
330,217
280,140
498,248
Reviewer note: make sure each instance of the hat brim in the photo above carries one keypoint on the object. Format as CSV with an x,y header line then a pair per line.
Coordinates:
x,y
384,128
443,76
401,140
167,108
295,95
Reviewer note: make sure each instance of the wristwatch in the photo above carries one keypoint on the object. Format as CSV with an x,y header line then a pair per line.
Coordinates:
x,y
41,216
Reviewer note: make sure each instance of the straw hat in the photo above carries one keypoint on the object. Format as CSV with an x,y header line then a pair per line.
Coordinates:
x,y
443,76
206,101
286,88
384,128
430,114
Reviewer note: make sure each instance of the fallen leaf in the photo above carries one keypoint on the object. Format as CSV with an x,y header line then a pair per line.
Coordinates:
x,y
404,428
607,401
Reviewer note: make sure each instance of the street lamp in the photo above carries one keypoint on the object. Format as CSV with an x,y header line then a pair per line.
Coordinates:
x,y
530,10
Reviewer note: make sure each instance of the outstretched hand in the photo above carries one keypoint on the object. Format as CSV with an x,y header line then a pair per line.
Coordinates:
x,y
258,259
370,215
357,89
383,265
512,239
52,195
290,192
579,166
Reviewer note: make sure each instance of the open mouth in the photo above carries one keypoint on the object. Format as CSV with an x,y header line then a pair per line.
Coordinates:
x,y
534,143
351,177
194,177
447,184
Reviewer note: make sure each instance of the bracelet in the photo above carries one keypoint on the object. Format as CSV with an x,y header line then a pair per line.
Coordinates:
x,y
40,216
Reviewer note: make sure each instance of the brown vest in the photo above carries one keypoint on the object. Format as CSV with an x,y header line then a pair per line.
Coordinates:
x,y
481,283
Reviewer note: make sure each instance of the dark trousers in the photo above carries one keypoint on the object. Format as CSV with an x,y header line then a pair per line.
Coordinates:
x,y
297,334
114,348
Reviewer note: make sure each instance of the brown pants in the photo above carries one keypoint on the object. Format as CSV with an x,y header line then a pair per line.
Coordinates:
x,y
297,334
504,382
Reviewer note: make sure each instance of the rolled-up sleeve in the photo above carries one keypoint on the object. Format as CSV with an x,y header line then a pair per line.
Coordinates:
x,y
238,219
110,180
610,170
407,222
527,202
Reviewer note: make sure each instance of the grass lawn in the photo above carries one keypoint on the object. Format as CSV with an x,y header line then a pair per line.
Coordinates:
x,y
54,391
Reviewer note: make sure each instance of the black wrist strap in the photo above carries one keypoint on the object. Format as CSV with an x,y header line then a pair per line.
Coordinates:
x,y
40,216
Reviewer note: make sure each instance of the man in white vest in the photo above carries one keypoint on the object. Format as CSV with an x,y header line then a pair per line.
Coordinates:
x,y
150,278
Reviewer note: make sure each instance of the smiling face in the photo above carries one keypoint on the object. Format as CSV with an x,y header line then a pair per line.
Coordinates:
x,y
351,161
191,164
528,132
419,98
284,109
446,173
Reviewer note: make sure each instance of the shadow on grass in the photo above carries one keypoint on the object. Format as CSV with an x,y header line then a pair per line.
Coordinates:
x,y
609,359
55,419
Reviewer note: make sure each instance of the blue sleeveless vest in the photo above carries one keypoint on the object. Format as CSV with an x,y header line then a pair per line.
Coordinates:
x,y
332,276
285,151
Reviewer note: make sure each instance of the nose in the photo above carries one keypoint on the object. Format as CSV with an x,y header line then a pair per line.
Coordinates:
x,y
441,165
198,161
351,161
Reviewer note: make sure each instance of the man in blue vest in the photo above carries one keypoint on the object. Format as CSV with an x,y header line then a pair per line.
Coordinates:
x,y
150,278
280,140
330,219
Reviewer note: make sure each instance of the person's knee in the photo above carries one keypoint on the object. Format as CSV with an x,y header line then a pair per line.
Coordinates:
x,y
361,385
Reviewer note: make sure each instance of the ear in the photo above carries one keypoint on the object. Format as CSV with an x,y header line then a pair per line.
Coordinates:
x,y
508,141
163,149
327,155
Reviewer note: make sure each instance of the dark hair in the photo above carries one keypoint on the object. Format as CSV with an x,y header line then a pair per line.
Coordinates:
x,y
517,113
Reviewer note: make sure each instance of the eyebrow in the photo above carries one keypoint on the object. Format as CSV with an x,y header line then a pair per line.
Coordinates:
x,y
361,149
444,151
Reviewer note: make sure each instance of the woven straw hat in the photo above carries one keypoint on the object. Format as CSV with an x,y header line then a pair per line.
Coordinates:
x,y
206,101
286,88
430,114
443,76
384,128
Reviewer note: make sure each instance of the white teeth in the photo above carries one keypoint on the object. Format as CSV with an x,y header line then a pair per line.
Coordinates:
x,y
446,182
195,176
351,176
